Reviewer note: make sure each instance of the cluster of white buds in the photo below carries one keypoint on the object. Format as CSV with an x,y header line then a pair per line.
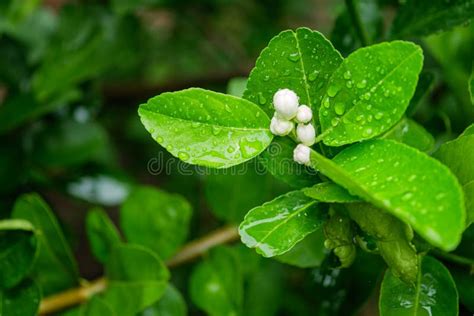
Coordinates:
x,y
287,113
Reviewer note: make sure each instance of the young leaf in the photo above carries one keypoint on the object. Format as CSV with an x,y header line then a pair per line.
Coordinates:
x,y
392,238
216,284
369,92
155,219
458,155
236,86
278,160
102,234
300,60
276,226
420,18
97,306
18,249
55,268
433,294
407,183
411,133
339,232
22,300
329,192
170,304
309,252
137,279
207,128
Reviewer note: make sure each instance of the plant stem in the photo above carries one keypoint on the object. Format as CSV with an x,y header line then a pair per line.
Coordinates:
x,y
189,252
453,258
357,22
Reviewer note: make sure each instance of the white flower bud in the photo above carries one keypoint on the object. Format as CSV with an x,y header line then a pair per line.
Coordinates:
x,y
304,114
301,154
306,134
285,102
280,127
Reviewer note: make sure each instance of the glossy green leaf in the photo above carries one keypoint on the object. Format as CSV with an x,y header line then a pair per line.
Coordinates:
x,y
207,128
278,160
22,300
97,306
137,279
309,252
55,268
411,133
216,284
469,197
471,86
277,226
170,304
392,237
434,293
223,190
300,60
18,249
420,18
155,219
369,92
458,155
407,183
102,234
329,192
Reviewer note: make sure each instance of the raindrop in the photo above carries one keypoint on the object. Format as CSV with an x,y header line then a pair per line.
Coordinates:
x,y
347,75
325,113
334,122
366,96
368,132
378,115
339,108
216,130
294,57
261,99
266,78
183,156
333,90
361,84
230,149
313,76
349,84
159,139
326,103
407,196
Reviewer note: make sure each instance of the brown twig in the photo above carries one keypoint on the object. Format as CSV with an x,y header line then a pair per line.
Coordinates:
x,y
188,253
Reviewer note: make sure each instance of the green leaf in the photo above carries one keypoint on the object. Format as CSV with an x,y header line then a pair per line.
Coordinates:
x,y
392,237
102,234
420,18
22,300
69,143
309,252
369,92
207,128
276,226
236,86
300,60
278,160
97,306
216,284
223,190
407,183
329,192
55,268
170,304
458,155
469,197
465,285
411,133
137,279
18,250
155,219
433,294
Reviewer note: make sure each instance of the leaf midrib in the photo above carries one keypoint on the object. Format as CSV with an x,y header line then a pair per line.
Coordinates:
x,y
286,220
305,79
